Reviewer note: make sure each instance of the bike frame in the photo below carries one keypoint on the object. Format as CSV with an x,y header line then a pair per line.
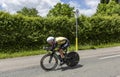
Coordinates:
x,y
71,59
54,54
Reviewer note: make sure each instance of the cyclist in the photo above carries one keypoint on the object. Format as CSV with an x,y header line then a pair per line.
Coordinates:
x,y
62,42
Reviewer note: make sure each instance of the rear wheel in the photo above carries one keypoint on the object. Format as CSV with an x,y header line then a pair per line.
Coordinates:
x,y
49,62
72,59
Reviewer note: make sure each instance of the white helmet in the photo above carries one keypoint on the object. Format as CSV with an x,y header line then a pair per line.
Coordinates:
x,y
50,39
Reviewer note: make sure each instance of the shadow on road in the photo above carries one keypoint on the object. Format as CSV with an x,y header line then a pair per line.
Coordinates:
x,y
69,68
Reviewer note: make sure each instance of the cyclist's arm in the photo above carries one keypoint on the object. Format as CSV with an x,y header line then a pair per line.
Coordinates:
x,y
53,47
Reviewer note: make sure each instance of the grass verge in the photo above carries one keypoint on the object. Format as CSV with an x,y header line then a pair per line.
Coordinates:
x,y
21,54
38,52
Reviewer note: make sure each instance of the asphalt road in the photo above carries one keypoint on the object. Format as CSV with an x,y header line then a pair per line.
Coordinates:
x,y
93,63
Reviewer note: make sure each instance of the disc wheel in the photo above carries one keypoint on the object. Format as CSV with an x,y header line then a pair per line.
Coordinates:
x,y
72,59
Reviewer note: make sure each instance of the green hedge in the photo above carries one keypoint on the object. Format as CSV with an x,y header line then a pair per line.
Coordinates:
x,y
99,29
19,32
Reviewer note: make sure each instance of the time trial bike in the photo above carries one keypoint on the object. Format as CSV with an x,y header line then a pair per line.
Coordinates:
x,y
50,60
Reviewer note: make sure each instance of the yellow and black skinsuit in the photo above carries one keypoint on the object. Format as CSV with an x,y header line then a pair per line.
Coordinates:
x,y
62,42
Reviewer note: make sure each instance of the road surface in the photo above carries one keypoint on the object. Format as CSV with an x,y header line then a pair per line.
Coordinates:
x,y
103,62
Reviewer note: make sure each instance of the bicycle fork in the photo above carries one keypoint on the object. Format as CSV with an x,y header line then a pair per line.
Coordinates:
x,y
51,56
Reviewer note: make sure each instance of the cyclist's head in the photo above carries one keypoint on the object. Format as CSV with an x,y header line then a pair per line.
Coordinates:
x,y
50,39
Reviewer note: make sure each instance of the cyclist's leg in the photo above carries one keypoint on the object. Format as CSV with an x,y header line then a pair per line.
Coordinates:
x,y
63,47
61,52
66,45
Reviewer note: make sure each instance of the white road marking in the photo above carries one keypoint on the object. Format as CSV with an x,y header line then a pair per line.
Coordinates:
x,y
107,57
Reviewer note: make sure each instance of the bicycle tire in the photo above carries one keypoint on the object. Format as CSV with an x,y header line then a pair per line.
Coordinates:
x,y
44,67
72,59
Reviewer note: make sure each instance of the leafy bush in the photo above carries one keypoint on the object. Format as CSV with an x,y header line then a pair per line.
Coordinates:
x,y
108,9
19,32
99,29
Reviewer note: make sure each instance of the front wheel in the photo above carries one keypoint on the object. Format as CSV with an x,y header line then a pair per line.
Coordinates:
x,y
49,62
72,59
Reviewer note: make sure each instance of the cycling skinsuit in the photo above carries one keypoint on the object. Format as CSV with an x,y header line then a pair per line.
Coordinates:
x,y
62,42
